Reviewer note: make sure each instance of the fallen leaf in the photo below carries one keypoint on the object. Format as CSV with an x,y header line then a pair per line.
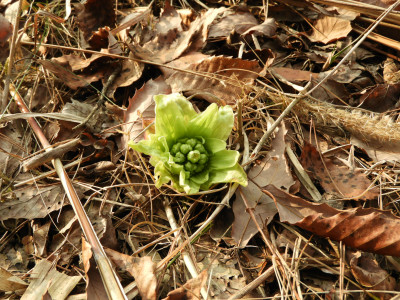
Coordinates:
x,y
329,29
141,108
366,229
94,284
190,290
30,203
377,149
6,30
168,46
273,169
45,278
380,98
93,15
337,179
40,238
141,268
369,274
10,283
226,78
267,28
231,21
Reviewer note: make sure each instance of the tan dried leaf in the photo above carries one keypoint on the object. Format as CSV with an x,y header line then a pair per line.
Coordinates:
x,y
226,78
329,29
141,268
273,169
46,279
190,290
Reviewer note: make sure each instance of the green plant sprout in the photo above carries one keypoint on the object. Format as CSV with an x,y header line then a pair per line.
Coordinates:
x,y
189,148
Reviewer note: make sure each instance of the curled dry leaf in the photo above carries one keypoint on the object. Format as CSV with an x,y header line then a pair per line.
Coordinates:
x,y
10,283
273,169
141,110
337,179
94,285
190,290
141,268
369,274
95,14
329,29
226,78
6,29
366,229
167,46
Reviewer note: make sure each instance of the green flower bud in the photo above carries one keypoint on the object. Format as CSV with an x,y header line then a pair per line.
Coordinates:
x,y
199,168
192,142
203,159
193,156
185,148
190,167
179,158
199,147
176,148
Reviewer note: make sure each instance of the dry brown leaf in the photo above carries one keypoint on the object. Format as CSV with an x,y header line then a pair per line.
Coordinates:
x,y
376,149
30,203
273,169
64,72
380,98
6,30
141,109
95,14
366,229
94,284
226,78
267,28
190,290
230,22
46,279
141,268
170,45
329,29
293,75
369,274
337,179
40,237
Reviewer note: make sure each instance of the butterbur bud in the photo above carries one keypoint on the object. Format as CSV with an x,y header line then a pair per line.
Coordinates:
x,y
189,149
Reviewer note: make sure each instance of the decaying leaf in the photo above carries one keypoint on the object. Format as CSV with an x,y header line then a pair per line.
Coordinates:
x,y
95,14
328,29
141,268
10,283
6,29
190,290
377,149
273,169
141,109
46,279
366,229
369,274
167,46
94,285
30,203
380,98
337,179
226,78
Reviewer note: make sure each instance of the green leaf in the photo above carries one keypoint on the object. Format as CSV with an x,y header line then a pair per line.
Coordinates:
x,y
214,145
201,177
173,113
212,123
223,159
152,147
233,174
188,185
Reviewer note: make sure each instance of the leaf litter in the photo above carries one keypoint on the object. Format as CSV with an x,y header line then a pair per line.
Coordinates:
x,y
255,59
